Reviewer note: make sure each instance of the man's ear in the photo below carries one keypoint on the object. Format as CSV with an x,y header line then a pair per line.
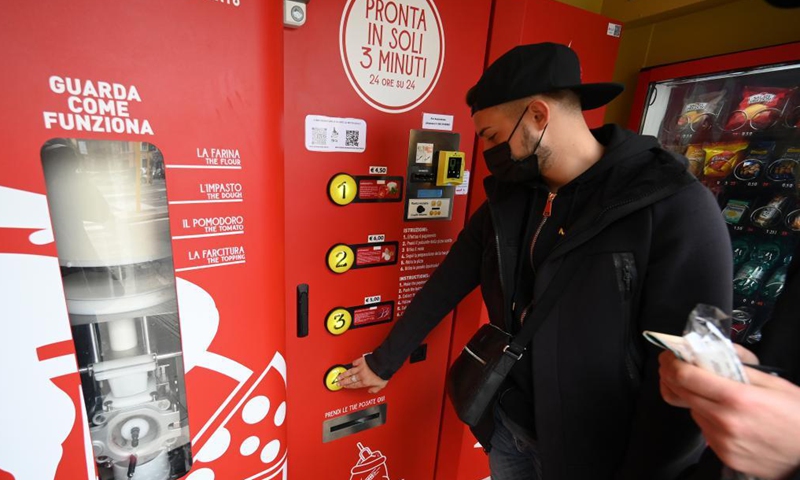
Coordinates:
x,y
539,112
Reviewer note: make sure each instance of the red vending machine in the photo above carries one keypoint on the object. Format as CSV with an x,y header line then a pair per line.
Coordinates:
x,y
379,142
596,40
736,118
141,232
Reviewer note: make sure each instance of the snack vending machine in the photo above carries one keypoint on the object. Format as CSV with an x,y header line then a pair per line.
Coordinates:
x,y
378,143
596,40
142,213
736,119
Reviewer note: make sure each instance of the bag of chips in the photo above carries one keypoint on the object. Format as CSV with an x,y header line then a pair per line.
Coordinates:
x,y
697,157
721,158
700,111
760,108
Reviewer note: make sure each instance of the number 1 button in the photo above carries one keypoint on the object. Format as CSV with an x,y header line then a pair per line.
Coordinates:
x,y
342,189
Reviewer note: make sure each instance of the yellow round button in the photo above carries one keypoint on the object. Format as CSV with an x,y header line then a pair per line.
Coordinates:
x,y
339,321
330,378
342,189
340,258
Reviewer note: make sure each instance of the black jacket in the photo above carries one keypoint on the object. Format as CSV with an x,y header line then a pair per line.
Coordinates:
x,y
648,247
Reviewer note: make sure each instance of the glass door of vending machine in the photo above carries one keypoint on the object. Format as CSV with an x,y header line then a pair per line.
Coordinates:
x,y
739,131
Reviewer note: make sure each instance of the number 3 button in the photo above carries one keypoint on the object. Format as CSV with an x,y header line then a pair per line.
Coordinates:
x,y
340,258
339,321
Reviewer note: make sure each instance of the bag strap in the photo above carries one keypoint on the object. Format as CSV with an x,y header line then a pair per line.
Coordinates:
x,y
516,346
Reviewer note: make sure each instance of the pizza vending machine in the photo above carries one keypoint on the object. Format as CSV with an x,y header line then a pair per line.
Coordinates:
x,y
736,118
378,154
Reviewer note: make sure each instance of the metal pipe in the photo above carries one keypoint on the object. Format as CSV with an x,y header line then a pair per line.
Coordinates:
x,y
164,356
146,335
93,336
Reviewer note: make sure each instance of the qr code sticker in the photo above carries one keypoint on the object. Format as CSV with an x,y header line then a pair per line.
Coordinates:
x,y
351,138
319,136
614,30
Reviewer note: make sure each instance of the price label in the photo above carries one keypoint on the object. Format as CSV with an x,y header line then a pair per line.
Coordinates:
x,y
342,257
342,319
344,189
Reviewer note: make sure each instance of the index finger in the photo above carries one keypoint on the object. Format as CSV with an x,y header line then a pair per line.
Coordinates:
x,y
351,370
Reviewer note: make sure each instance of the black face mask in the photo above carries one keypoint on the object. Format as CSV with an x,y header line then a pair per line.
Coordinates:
x,y
505,168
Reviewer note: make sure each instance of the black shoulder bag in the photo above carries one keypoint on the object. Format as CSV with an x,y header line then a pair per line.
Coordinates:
x,y
478,372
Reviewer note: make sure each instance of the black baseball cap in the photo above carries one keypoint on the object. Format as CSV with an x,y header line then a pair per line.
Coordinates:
x,y
527,70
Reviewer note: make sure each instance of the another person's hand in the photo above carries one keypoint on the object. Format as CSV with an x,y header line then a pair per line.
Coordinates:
x,y
670,363
360,376
752,428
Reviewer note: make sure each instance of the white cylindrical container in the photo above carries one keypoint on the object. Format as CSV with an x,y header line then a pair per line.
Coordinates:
x,y
126,376
122,334
103,213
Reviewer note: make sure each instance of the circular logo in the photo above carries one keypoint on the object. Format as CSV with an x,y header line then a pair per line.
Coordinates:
x,y
392,51
338,321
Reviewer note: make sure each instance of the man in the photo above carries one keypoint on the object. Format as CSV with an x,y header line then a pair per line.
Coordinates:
x,y
642,242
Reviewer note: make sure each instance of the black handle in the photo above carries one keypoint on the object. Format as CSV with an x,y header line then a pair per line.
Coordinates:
x,y
132,460
302,310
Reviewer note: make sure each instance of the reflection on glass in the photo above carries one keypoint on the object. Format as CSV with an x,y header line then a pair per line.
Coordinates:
x,y
108,206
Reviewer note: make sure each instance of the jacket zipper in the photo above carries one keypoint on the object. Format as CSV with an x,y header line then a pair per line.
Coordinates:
x,y
548,210
499,263
624,263
627,277
500,266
